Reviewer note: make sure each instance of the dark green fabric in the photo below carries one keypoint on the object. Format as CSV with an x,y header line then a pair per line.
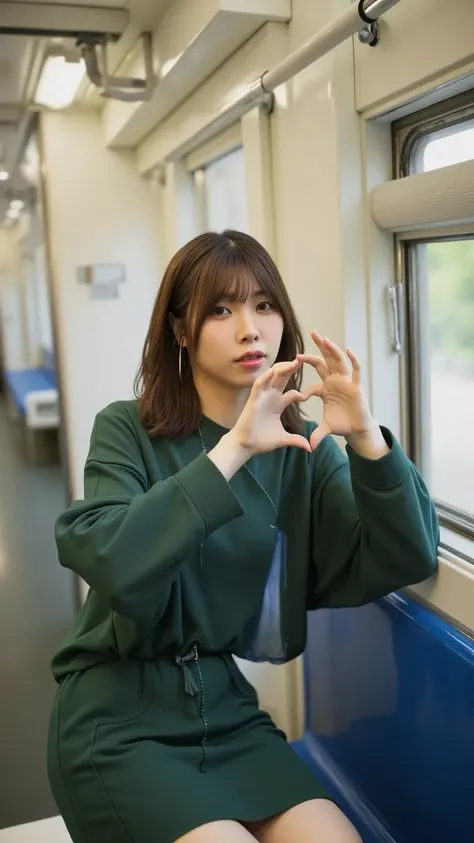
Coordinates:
x,y
126,758
127,735
356,529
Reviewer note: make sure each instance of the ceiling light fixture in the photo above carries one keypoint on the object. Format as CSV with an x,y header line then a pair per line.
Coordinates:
x,y
59,81
4,176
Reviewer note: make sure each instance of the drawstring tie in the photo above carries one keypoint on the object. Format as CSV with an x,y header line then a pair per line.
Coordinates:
x,y
190,685
193,689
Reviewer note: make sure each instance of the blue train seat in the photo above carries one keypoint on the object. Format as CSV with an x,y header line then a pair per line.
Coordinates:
x,y
389,720
33,398
24,381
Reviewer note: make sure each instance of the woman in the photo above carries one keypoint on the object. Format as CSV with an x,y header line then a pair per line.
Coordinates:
x,y
214,518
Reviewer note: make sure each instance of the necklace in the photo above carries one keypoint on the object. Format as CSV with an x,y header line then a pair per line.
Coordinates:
x,y
247,469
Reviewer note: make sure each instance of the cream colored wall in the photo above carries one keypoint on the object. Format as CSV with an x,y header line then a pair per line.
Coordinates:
x,y
423,43
98,211
313,130
176,133
14,327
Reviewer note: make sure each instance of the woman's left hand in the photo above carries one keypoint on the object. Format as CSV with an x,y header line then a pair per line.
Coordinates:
x,y
346,411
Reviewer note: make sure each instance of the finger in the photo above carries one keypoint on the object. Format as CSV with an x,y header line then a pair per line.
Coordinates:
x,y
293,396
319,434
356,368
263,381
338,356
317,362
295,441
321,343
285,367
282,372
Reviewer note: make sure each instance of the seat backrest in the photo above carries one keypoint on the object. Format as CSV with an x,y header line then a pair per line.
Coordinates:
x,y
22,382
390,717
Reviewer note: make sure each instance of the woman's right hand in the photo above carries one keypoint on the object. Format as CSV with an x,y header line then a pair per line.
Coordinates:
x,y
259,428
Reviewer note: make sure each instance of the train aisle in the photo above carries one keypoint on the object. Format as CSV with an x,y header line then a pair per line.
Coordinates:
x,y
36,609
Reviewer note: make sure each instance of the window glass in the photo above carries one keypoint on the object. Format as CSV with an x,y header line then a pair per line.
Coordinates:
x,y
225,194
445,283
448,146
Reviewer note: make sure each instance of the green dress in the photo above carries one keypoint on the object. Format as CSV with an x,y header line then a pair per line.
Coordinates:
x,y
154,730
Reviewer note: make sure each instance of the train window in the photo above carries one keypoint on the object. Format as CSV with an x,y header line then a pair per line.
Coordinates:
x,y
220,193
450,146
438,277
441,320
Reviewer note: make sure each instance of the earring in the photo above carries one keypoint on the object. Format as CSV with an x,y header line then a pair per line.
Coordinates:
x,y
180,363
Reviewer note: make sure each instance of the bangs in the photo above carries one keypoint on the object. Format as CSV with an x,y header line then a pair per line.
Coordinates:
x,y
237,282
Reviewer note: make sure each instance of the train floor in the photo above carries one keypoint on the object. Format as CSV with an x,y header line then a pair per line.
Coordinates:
x,y
37,605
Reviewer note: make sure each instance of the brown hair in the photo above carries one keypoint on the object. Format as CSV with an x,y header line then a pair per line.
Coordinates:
x,y
202,273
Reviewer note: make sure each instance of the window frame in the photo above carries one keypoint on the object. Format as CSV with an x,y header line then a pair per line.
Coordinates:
x,y
407,136
409,131
412,375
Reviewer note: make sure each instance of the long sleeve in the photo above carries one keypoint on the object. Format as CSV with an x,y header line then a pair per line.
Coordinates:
x,y
374,526
126,540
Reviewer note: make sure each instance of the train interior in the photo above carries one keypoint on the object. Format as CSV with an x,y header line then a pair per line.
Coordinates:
x,y
341,135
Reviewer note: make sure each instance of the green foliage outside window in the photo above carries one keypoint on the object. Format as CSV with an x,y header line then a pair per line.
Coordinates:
x,y
451,292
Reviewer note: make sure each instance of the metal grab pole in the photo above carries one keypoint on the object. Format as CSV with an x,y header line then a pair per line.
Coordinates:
x,y
374,9
359,15
337,31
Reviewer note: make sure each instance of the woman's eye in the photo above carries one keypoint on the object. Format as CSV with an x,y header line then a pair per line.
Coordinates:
x,y
220,310
264,306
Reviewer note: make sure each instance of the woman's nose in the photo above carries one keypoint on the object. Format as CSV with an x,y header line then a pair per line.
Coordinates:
x,y
248,329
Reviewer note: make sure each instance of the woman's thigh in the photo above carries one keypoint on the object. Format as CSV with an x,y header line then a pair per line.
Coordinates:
x,y
316,821
218,832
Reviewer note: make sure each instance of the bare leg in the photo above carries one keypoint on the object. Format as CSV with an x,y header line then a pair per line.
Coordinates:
x,y
224,831
316,821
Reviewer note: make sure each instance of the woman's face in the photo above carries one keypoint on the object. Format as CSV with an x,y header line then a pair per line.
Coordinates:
x,y
239,341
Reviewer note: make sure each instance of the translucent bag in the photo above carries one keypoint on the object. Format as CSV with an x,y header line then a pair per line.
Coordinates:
x,y
268,644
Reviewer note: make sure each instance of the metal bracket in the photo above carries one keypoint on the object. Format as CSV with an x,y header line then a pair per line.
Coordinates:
x,y
268,104
395,297
125,88
265,99
370,34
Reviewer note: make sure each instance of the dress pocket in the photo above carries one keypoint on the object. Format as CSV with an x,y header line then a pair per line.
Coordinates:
x,y
134,691
110,693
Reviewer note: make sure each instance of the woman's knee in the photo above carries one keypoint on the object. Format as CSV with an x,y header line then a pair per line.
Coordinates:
x,y
225,831
316,821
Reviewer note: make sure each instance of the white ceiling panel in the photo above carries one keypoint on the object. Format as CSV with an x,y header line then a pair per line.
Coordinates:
x,y
103,4
15,57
